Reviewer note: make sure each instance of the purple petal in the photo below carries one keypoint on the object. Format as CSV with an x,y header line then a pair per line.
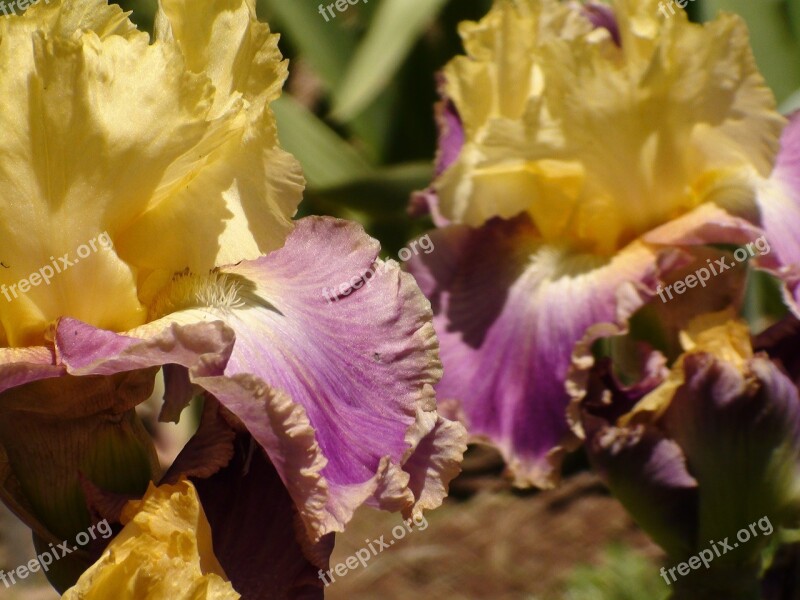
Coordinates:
x,y
647,473
509,313
451,141
451,133
706,224
372,346
435,461
19,366
339,392
258,538
426,202
602,15
645,470
779,204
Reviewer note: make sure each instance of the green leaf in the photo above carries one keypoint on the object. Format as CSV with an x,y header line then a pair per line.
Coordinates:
x,y
794,16
395,28
373,129
624,574
328,160
144,12
382,192
763,303
327,46
775,45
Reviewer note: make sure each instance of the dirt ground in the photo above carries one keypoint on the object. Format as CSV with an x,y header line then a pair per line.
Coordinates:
x,y
487,541
498,545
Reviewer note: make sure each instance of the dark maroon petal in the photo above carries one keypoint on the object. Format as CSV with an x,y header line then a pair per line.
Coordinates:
x,y
258,536
178,392
103,504
209,450
608,398
781,342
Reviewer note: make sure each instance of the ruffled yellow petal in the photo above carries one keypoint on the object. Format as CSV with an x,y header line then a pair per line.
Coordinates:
x,y
168,148
226,43
601,142
164,551
243,193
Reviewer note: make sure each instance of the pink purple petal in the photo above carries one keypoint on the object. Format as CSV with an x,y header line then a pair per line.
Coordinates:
x,y
515,318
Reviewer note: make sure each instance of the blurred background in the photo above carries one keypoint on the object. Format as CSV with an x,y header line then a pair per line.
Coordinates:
x,y
358,113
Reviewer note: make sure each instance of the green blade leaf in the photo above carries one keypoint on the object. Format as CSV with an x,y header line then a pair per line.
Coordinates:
x,y
328,160
394,29
794,17
382,192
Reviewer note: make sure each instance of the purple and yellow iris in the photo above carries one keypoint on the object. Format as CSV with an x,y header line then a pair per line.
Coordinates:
x,y
169,151
588,155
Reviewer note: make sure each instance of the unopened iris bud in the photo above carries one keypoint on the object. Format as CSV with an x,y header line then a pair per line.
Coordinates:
x,y
709,452
56,430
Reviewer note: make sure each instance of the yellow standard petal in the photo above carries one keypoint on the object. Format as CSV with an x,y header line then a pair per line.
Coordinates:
x,y
168,150
601,142
164,551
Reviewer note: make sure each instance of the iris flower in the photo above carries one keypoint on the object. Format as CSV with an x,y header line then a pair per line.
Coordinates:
x,y
588,153
700,451
146,223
